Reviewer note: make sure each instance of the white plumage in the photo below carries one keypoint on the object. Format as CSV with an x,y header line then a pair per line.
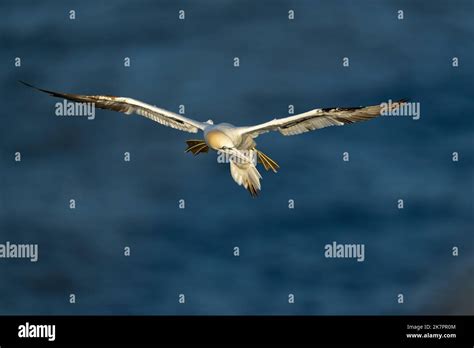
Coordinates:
x,y
236,142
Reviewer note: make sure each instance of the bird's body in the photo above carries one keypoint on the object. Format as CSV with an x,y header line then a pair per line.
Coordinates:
x,y
222,135
237,143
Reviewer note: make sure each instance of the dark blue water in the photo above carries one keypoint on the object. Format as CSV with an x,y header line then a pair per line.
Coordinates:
x,y
190,251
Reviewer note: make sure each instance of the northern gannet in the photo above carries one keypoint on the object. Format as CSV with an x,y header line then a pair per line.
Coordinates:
x,y
236,142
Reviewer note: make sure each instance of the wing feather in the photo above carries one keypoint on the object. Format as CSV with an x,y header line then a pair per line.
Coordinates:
x,y
317,119
131,106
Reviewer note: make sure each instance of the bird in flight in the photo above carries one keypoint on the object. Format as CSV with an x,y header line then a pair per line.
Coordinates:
x,y
237,143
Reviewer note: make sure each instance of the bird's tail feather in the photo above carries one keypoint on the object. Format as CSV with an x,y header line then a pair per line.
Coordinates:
x,y
246,174
196,146
267,162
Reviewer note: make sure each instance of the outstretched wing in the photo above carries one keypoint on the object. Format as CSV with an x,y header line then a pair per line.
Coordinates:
x,y
316,119
132,106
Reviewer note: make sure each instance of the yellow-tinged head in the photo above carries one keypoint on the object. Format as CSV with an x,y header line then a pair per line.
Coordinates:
x,y
217,140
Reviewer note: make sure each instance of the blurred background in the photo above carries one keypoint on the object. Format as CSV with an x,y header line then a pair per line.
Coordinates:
x,y
190,250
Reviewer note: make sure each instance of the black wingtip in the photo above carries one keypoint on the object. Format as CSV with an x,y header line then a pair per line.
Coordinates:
x,y
26,84
54,94
34,87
